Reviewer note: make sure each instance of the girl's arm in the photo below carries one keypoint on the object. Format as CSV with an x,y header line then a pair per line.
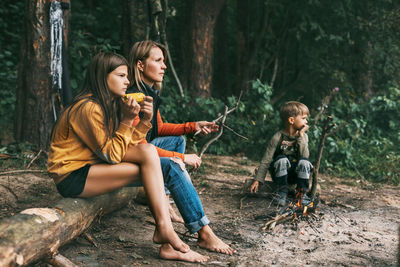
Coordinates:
x,y
87,122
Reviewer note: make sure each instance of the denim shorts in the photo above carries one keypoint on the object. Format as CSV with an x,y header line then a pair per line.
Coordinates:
x,y
73,184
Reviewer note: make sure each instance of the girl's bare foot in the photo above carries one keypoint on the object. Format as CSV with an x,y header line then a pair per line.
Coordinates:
x,y
208,240
174,217
169,253
166,234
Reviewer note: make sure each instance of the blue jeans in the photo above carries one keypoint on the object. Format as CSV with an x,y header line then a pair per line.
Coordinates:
x,y
178,183
170,143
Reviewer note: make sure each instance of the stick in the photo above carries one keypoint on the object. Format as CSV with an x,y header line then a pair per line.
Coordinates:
x,y
212,140
30,163
230,129
60,261
22,171
229,111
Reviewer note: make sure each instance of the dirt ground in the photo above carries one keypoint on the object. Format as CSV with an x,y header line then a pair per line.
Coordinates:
x,y
357,223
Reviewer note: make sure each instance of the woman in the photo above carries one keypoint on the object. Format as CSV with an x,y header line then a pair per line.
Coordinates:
x,y
147,68
94,148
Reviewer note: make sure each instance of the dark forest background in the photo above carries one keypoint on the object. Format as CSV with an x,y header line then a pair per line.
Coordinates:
x,y
341,58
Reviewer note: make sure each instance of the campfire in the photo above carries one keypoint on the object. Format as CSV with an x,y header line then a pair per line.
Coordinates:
x,y
295,211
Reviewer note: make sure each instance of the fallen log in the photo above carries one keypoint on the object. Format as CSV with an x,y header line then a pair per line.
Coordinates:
x,y
37,233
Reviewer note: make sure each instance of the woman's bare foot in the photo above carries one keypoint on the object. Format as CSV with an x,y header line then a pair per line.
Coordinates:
x,y
174,217
166,234
169,253
208,240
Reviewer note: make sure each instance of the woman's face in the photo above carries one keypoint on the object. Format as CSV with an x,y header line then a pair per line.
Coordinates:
x,y
117,81
152,70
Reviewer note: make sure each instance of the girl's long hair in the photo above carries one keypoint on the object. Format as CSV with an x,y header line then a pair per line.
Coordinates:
x,y
95,89
141,51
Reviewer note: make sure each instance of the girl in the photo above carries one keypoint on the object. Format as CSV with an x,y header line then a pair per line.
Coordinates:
x,y
94,148
147,68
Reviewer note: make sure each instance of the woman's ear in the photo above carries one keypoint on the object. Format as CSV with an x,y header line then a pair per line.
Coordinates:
x,y
140,65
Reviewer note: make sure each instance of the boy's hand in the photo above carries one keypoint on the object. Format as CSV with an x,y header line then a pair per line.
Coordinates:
x,y
303,130
254,187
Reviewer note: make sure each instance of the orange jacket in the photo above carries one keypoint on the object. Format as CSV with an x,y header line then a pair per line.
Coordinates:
x,y
169,129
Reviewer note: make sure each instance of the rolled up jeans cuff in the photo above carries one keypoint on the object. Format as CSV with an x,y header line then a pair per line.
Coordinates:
x,y
194,227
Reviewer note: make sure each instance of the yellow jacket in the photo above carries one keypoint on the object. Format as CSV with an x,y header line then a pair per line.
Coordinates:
x,y
82,140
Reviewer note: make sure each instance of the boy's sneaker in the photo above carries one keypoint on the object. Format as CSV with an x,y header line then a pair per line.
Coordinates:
x,y
306,200
282,196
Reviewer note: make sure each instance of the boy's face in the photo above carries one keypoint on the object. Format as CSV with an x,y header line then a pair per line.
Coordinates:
x,y
299,122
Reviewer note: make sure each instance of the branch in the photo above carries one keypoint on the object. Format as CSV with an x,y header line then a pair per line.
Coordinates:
x,y
229,111
212,140
22,171
233,131
35,158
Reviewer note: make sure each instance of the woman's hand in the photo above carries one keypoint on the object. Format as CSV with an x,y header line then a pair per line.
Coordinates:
x,y
206,127
146,107
129,110
193,160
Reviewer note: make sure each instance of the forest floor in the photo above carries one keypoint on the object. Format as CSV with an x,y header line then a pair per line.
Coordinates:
x,y
356,224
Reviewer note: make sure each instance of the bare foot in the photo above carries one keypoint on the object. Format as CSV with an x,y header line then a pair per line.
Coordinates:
x,y
167,234
208,240
174,217
169,253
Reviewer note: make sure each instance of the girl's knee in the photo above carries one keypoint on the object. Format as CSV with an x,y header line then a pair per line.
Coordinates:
x,y
148,151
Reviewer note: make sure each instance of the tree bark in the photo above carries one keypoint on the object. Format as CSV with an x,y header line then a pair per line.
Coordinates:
x,y
39,232
204,17
34,117
135,23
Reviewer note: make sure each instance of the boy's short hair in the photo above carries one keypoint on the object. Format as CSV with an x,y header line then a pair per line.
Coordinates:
x,y
293,109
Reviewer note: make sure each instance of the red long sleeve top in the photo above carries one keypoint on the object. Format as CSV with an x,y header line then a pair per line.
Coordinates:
x,y
169,129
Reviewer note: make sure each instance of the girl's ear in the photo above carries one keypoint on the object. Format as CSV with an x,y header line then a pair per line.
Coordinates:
x,y
291,120
140,65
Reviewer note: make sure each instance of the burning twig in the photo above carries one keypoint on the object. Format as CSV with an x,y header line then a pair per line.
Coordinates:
x,y
294,211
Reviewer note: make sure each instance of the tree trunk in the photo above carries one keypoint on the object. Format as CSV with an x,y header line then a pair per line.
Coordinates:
x,y
39,232
135,23
204,17
34,117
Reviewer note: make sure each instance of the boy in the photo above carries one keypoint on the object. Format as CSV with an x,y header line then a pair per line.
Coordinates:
x,y
287,154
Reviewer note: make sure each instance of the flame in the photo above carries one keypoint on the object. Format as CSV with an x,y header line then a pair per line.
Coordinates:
x,y
305,210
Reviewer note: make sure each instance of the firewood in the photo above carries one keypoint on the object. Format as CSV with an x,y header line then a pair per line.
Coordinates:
x,y
37,233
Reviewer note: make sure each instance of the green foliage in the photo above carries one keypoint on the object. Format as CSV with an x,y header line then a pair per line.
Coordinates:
x,y
366,148
254,118
10,28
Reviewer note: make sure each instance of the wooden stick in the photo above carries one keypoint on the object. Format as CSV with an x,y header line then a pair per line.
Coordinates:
x,y
30,163
22,171
233,131
59,260
215,138
229,111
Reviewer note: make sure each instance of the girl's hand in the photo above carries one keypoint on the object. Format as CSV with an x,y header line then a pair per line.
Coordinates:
x,y
146,107
129,110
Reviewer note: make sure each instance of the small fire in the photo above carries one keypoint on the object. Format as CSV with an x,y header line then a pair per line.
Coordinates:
x,y
305,210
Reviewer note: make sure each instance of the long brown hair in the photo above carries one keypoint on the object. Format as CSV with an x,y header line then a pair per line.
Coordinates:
x,y
141,51
95,89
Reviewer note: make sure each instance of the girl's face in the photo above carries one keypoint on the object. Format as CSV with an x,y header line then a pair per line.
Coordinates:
x,y
117,81
152,70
